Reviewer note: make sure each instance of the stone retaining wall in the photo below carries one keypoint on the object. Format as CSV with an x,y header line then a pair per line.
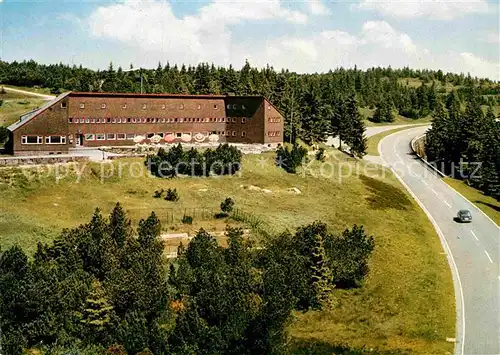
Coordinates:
x,y
15,161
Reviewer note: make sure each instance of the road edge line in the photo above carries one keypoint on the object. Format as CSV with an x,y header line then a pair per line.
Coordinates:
x,y
460,314
448,185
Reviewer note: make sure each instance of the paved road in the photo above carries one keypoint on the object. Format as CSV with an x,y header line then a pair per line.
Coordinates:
x,y
370,131
473,249
42,96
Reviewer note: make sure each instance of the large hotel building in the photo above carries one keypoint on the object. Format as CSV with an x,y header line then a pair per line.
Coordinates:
x,y
88,119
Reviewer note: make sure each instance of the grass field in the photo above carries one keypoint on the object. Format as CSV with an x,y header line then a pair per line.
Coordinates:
x,y
14,107
407,302
487,204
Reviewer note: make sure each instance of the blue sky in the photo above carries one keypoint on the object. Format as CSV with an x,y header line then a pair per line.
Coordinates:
x,y
305,36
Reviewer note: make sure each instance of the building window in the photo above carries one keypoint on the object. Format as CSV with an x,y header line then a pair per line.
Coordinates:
x,y
119,120
114,120
108,120
162,120
178,135
243,134
90,137
176,120
82,120
70,120
31,139
55,140
268,107
98,120
82,106
128,120
64,104
120,136
111,136
133,120
130,136
215,107
234,106
234,133
243,107
163,107
124,106
87,120
233,119
103,106
150,135
243,120
92,120
100,136
144,106
160,134
143,120
199,107
228,106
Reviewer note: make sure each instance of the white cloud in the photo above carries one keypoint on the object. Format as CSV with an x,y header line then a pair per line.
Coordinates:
x,y
153,32
316,7
492,37
434,9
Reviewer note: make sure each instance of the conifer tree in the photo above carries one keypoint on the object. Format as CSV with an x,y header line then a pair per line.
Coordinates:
x,y
98,315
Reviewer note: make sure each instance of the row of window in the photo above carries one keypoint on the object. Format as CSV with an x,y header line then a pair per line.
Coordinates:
x,y
39,139
131,136
274,120
274,133
163,106
157,120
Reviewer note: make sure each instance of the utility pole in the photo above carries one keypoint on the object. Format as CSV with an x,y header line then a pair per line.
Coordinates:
x,y
141,80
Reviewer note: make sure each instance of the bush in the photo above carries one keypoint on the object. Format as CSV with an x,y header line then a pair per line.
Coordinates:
x,y
187,219
290,160
158,193
172,195
320,154
225,160
349,254
227,205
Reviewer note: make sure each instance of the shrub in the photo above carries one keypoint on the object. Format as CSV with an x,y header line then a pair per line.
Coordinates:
x,y
290,160
172,195
227,205
187,219
349,254
225,160
158,193
320,154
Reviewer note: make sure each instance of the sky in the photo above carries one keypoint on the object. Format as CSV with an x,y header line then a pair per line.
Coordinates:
x,y
305,36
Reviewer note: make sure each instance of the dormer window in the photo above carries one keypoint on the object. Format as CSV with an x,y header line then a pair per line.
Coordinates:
x,y
181,106
215,107
82,106
199,107
243,107
124,106
103,106
144,106
64,104
163,107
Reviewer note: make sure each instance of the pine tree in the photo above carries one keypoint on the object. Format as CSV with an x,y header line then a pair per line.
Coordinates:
x,y
119,226
97,316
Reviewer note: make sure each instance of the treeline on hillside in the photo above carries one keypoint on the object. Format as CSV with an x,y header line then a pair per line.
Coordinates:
x,y
296,95
104,288
466,144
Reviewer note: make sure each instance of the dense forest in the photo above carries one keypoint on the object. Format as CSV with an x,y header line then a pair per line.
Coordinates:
x,y
104,288
308,101
465,143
